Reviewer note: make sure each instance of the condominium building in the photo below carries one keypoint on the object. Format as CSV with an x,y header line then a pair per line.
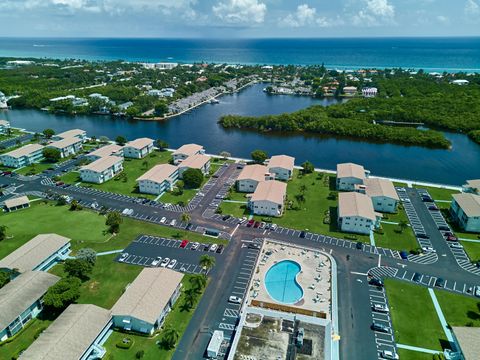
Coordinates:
x,y
281,166
138,148
107,150
268,198
74,133
185,151
68,146
24,156
198,161
349,175
356,213
4,126
465,210
102,170
158,179
382,193
251,176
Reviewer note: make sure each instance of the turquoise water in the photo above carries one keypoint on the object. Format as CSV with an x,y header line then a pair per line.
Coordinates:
x,y
281,284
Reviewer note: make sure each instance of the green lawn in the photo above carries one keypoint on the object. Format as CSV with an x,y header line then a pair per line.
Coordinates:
x,y
413,315
472,249
85,228
438,193
413,355
178,318
459,310
393,239
34,169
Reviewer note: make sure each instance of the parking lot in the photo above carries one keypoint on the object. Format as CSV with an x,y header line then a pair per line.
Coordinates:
x,y
145,249
222,192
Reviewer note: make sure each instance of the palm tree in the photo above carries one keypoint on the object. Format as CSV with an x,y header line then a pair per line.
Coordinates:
x,y
198,282
145,164
207,262
170,338
191,297
402,225
303,188
186,217
3,232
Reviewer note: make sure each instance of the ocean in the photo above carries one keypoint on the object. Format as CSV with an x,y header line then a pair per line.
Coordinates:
x,y
431,54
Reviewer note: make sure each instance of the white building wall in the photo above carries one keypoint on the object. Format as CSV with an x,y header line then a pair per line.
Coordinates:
x,y
267,208
355,224
348,183
384,204
281,173
130,152
247,185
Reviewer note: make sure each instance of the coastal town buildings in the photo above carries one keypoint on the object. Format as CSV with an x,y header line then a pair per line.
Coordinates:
x,y
26,155
4,126
102,170
158,179
369,92
74,133
465,210
68,146
349,175
138,148
382,193
16,203
356,213
107,150
251,176
198,161
185,151
268,198
281,166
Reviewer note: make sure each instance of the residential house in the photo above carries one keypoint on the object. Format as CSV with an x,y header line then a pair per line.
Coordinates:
x,y
147,301
74,133
77,334
185,151
107,150
465,210
383,194
369,92
101,170
356,213
268,198
466,344
138,148
350,90
40,253
17,203
4,126
21,300
199,161
68,146
251,176
472,186
349,175
281,166
24,156
158,179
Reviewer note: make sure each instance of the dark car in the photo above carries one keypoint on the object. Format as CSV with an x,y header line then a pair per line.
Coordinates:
x,y
427,199
302,234
206,247
447,233
380,328
254,246
404,255
376,282
433,208
256,224
359,245
189,226
226,217
423,236
443,227
451,238
219,249
439,282
416,277
250,223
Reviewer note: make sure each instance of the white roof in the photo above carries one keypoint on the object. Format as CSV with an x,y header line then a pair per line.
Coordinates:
x,y
139,143
21,200
470,203
195,161
65,142
71,133
350,170
282,161
272,190
380,187
102,164
159,173
24,151
253,172
106,150
355,204
188,149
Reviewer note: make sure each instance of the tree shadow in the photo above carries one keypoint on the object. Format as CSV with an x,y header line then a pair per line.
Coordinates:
x,y
473,315
332,183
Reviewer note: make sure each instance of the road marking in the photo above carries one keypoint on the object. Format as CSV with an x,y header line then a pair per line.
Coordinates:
x,y
358,273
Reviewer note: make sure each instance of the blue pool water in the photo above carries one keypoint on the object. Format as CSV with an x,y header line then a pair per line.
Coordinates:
x,y
281,284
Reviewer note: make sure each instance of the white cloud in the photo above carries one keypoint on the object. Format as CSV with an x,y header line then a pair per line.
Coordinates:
x,y
307,16
374,13
240,11
443,19
472,8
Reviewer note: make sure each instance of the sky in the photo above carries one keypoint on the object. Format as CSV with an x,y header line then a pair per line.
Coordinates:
x,y
238,18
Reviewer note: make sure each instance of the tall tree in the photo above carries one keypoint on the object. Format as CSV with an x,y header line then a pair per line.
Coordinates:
x,y
114,220
307,167
88,255
207,262
51,154
193,178
3,232
186,217
161,144
48,133
170,338
121,140
79,268
259,156
198,281
63,293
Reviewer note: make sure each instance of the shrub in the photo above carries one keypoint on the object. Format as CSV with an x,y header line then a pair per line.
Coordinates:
x,y
125,343
139,354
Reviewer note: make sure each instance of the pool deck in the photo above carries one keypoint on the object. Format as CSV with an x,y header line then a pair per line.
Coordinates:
x,y
314,277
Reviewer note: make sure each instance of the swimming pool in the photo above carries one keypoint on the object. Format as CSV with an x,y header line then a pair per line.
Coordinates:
x,y
281,282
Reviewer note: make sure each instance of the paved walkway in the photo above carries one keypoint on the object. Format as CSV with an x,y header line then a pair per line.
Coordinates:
x,y
469,240
372,238
418,349
389,222
236,202
110,252
441,317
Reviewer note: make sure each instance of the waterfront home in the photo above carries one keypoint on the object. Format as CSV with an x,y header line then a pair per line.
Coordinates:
x,y
465,210
281,166
349,175
74,133
158,179
107,150
199,161
268,198
147,300
26,155
350,90
185,151
369,92
21,300
356,213
251,176
383,194
4,127
102,170
40,253
472,186
68,146
460,82
17,203
138,148
77,334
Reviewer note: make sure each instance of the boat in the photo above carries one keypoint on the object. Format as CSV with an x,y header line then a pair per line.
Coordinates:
x,y
214,101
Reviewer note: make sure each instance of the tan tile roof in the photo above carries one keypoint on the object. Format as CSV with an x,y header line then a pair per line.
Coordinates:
x,y
474,184
106,150
380,187
467,338
159,173
70,335
21,200
355,204
24,150
350,170
71,133
470,203
195,161
19,294
271,190
253,172
148,295
139,143
33,253
102,164
282,161
188,149
61,144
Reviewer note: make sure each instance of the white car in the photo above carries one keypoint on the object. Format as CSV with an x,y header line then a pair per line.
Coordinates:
x,y
428,249
173,222
235,299
165,262
162,220
456,245
380,308
172,264
387,354
123,257
195,246
213,247
477,291
156,261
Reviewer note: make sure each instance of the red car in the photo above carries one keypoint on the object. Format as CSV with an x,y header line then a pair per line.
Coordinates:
x,y
250,223
184,244
452,238
257,224
59,183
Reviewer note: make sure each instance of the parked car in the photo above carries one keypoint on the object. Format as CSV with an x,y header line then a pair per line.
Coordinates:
x,y
173,222
444,227
426,198
219,249
380,308
433,208
477,291
416,277
404,255
380,328
376,282
250,223
235,299
157,261
274,227
428,249
387,354
183,244
172,264
451,238
123,257
162,220
256,224
213,247
359,245
226,217
189,226
423,236
455,245
263,225
206,247
254,246
194,246
302,234
165,262
439,282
